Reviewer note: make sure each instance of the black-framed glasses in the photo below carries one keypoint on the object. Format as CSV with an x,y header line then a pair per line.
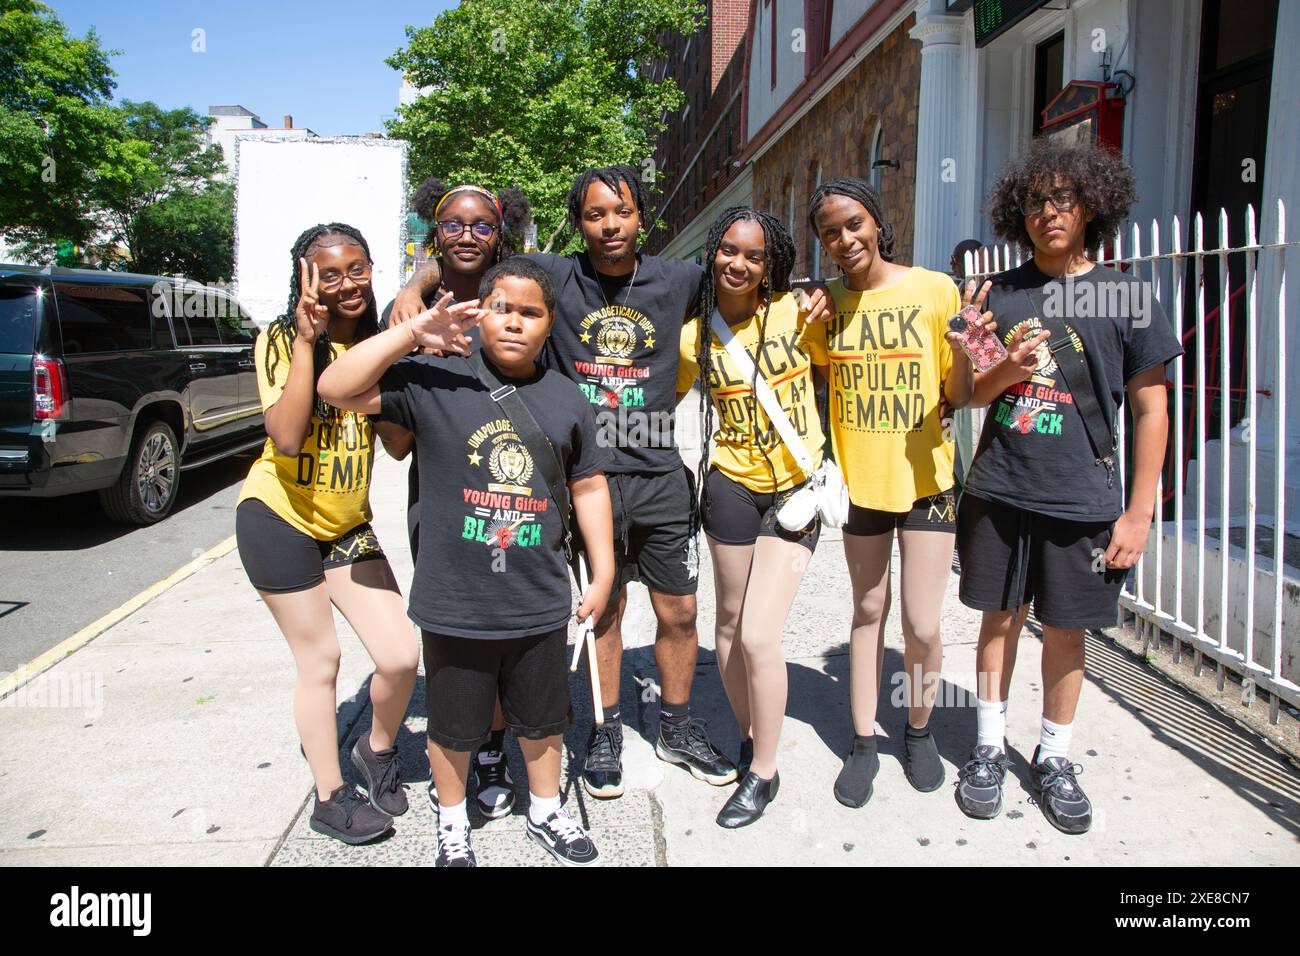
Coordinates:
x,y
1062,200
452,229
331,280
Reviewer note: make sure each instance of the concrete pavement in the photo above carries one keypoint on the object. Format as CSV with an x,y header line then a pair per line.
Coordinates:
x,y
169,739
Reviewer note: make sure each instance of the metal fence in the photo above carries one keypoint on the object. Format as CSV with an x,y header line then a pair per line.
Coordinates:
x,y
1203,594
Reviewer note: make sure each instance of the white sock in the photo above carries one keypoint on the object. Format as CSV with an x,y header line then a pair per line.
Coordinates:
x,y
991,723
539,808
1054,740
449,814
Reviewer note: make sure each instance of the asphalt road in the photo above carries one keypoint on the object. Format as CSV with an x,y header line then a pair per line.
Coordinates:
x,y
63,564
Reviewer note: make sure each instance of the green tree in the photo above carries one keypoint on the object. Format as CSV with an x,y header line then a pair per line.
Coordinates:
x,y
175,166
529,94
188,234
58,132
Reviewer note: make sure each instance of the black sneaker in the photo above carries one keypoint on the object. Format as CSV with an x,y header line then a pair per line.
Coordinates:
x,y
1064,804
561,836
382,776
348,816
454,847
602,772
687,745
979,783
496,790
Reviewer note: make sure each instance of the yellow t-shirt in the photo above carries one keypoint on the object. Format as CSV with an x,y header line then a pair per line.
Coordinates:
x,y
324,490
791,347
889,360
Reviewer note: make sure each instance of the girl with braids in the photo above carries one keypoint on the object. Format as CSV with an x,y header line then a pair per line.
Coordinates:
x,y
472,229
757,564
303,527
892,370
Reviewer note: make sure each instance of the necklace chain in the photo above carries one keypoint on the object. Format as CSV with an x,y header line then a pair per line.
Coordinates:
x,y
600,284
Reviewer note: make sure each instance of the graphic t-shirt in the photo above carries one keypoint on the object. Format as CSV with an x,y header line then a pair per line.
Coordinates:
x,y
491,560
745,440
888,363
1034,451
618,340
324,489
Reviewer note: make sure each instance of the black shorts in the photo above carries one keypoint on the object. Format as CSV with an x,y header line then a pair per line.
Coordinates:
x,y
280,559
1010,557
652,531
931,513
738,515
464,676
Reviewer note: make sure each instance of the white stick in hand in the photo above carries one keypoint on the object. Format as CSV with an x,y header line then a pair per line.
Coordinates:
x,y
587,638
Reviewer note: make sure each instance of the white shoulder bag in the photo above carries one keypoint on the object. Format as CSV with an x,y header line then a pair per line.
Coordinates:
x,y
824,493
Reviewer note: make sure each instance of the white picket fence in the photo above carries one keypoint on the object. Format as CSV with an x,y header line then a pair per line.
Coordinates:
x,y
1203,595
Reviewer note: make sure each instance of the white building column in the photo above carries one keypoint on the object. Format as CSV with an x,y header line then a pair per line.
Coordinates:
x,y
939,147
1281,181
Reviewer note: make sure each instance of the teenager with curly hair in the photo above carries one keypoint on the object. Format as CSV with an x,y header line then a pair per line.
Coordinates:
x,y
894,376
757,563
303,528
1043,518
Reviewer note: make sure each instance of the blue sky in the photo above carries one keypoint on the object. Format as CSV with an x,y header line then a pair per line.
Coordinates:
x,y
322,62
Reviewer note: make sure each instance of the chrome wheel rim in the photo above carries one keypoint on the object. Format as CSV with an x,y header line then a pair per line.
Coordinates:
x,y
156,473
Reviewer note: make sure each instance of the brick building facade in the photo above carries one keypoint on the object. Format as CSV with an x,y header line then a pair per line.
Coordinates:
x,y
835,138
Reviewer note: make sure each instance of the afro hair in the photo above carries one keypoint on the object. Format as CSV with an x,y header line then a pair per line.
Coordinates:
x,y
1102,180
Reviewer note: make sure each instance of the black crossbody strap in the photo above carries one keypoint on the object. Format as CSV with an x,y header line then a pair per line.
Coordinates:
x,y
1073,366
534,439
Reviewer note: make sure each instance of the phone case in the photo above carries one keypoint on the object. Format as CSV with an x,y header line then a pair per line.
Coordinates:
x,y
982,346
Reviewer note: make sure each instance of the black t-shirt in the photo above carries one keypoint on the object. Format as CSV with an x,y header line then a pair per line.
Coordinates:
x,y
619,341
491,563
1034,452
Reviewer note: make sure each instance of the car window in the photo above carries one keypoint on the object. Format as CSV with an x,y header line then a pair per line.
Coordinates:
x,y
103,318
159,299
230,322
17,318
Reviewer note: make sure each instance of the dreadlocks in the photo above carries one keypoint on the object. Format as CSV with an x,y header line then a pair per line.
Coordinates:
x,y
280,334
516,211
611,176
863,192
779,255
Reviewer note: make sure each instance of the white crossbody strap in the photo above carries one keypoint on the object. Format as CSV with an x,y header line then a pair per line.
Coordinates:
x,y
763,392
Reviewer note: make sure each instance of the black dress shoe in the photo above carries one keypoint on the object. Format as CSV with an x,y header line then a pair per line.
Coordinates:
x,y
749,801
746,756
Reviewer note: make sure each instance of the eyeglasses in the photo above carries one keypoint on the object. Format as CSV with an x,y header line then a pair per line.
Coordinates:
x,y
1062,200
479,230
332,280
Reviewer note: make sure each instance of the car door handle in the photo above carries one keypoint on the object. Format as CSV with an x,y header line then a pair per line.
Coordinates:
x,y
247,363
197,366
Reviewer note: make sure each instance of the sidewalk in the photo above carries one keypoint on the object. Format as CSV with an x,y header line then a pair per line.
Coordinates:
x,y
189,756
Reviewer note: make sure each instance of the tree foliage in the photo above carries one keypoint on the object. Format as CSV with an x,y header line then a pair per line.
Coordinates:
x,y
529,94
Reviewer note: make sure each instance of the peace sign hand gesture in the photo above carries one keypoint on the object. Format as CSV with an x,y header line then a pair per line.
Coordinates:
x,y
313,318
443,327
1022,354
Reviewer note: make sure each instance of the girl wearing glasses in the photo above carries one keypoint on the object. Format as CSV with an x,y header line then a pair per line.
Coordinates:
x,y
303,528
472,229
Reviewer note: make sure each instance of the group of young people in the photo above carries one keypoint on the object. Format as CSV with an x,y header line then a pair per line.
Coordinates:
x,y
530,387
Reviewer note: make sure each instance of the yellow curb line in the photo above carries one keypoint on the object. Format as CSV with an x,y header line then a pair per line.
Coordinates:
x,y
43,662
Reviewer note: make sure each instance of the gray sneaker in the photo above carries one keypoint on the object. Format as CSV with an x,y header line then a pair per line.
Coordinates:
x,y
382,775
1063,802
979,783
349,817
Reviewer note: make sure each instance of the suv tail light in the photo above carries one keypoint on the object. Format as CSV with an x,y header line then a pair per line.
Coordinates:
x,y
49,389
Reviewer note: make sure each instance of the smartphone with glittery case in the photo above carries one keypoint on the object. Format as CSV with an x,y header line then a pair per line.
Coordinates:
x,y
979,344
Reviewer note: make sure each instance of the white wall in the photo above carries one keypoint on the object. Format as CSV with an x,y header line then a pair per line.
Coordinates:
x,y
284,186
763,100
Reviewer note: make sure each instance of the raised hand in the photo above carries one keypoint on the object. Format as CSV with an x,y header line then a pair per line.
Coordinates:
x,y
443,327
1022,353
312,317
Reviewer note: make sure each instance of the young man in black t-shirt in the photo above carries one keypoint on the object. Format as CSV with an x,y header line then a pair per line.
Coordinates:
x,y
616,336
1043,518
491,588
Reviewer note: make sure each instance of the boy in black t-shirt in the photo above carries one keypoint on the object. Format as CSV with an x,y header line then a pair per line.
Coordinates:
x,y
1043,517
491,589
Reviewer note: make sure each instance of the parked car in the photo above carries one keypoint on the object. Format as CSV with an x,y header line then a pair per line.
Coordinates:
x,y
118,383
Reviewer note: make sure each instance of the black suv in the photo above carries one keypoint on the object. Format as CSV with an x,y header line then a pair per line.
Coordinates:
x,y
117,383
